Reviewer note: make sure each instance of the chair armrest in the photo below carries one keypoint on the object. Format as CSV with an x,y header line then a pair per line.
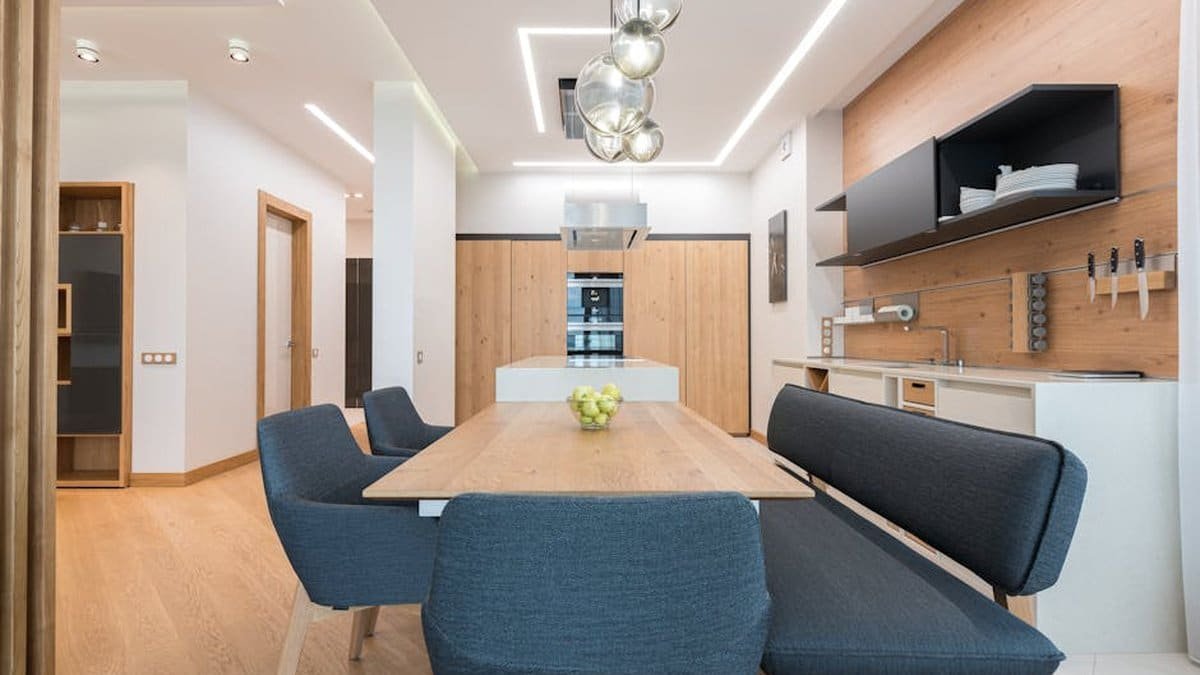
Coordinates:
x,y
392,451
351,555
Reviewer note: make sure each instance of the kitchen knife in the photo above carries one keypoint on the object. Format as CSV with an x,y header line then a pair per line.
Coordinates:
x,y
1139,261
1114,281
1091,277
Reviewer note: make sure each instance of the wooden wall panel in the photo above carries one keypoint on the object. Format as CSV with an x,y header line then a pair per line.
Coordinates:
x,y
539,299
595,261
483,316
983,52
718,333
656,305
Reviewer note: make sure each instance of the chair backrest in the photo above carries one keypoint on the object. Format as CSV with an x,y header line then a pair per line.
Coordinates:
x,y
305,453
598,585
392,418
1003,505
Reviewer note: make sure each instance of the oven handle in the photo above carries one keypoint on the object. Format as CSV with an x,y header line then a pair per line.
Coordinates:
x,y
613,327
595,283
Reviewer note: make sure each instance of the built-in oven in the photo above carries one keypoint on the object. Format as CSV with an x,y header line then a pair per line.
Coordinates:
x,y
595,318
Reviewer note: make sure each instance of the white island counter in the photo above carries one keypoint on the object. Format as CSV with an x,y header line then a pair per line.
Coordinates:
x,y
552,378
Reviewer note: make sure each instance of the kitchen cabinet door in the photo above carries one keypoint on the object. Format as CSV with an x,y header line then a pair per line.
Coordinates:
x,y
656,305
718,332
483,319
595,261
539,299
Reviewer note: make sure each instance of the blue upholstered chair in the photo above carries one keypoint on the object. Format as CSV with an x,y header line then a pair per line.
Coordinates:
x,y
350,554
602,585
394,426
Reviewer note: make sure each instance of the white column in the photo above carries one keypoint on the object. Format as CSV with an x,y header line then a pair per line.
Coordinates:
x,y
413,246
1189,314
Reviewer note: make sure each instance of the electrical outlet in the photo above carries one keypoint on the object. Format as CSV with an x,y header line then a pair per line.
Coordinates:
x,y
159,358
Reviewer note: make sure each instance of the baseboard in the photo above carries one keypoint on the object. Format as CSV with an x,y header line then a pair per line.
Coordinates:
x,y
195,475
758,436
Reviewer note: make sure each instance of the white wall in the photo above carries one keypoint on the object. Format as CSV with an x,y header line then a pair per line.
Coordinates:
x,y
137,132
358,238
677,203
1189,313
810,175
229,161
413,250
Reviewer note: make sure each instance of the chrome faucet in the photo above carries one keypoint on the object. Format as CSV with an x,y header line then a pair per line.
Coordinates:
x,y
945,343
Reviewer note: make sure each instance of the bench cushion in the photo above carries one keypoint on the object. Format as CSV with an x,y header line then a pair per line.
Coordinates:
x,y
848,597
1003,505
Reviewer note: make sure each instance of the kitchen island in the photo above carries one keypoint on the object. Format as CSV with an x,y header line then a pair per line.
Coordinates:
x,y
552,378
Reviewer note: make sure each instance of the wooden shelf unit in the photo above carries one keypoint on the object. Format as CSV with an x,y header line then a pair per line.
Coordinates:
x,y
95,335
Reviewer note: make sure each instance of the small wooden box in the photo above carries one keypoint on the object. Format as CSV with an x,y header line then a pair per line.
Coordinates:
x,y
920,392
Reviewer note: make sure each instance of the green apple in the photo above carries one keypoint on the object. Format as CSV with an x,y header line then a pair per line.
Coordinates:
x,y
606,405
585,420
589,409
580,393
611,390
574,406
601,419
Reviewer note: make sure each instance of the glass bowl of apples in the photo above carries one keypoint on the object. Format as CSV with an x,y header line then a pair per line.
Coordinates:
x,y
595,409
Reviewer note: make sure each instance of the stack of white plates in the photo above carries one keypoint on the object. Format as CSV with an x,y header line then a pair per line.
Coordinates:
x,y
1049,177
973,199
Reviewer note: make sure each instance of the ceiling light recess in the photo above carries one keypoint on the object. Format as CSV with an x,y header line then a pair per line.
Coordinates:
x,y
239,51
523,35
336,128
86,50
781,77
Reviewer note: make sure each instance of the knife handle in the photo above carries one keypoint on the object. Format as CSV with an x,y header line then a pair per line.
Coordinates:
x,y
1114,260
1091,265
1139,253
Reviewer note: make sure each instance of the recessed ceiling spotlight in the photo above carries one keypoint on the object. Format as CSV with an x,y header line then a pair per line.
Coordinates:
x,y
85,50
354,195
239,51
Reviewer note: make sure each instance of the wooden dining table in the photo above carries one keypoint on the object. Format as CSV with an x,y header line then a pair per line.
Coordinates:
x,y
539,448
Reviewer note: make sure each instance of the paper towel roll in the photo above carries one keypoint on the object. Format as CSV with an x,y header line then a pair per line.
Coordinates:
x,y
895,312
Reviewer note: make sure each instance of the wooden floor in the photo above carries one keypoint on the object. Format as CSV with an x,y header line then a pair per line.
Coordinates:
x,y
193,580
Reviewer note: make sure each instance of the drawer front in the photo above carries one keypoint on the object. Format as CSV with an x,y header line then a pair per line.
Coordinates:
x,y
920,392
862,386
920,411
985,405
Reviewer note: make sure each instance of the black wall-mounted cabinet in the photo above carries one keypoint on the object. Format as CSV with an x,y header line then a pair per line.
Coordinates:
x,y
889,212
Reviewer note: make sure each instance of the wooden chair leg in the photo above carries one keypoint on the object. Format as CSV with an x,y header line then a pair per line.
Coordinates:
x,y
293,643
374,618
358,631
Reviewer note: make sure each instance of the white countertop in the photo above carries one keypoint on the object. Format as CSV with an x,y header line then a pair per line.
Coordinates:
x,y
1000,376
545,362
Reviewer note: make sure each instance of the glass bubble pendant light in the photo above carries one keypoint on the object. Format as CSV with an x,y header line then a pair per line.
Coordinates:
x,y
603,147
645,144
610,102
661,13
638,49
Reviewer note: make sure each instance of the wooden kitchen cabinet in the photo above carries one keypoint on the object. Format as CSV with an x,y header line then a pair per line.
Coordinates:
x,y
539,299
483,316
656,305
595,261
718,332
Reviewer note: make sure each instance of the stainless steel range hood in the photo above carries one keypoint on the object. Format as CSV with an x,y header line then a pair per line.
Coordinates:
x,y
604,225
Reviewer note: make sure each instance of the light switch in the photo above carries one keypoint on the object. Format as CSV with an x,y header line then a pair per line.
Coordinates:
x,y
159,358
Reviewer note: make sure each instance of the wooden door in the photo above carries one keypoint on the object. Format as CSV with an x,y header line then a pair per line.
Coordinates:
x,y
539,299
718,332
483,316
656,305
595,261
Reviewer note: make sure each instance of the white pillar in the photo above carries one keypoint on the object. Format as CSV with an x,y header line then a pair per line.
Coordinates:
x,y
1189,314
413,245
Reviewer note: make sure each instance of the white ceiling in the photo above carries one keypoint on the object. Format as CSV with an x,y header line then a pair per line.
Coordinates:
x,y
326,52
721,55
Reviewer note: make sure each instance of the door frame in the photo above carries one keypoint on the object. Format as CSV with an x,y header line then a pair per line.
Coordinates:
x,y
269,204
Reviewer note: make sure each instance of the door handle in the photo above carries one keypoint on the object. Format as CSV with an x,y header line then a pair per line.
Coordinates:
x,y
289,344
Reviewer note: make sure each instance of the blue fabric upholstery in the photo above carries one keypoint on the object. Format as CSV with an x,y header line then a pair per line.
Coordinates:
x,y
849,598
1003,505
394,426
611,586
345,550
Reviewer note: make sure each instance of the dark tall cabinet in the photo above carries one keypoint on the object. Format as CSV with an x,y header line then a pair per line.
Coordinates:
x,y
358,330
95,314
